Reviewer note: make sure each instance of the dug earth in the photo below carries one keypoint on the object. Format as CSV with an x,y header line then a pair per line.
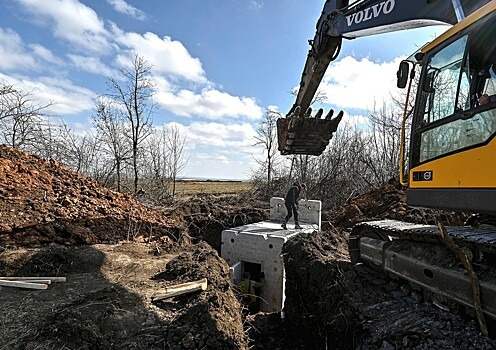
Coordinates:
x,y
117,254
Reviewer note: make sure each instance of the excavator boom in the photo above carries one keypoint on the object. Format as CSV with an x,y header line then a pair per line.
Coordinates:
x,y
340,20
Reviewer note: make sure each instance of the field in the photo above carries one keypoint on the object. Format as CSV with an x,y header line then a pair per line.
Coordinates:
x,y
191,187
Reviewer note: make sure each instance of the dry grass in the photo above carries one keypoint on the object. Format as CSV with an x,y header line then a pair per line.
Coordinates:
x,y
191,187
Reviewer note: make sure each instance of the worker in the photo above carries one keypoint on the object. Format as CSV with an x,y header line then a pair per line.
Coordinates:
x,y
485,99
291,202
490,83
247,287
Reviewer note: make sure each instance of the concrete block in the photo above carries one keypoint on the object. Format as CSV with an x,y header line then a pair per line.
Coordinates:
x,y
259,246
309,211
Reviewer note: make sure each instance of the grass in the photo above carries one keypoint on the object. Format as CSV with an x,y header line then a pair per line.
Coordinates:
x,y
190,187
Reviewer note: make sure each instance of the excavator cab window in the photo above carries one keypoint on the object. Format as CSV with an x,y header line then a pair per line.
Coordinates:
x,y
452,112
442,85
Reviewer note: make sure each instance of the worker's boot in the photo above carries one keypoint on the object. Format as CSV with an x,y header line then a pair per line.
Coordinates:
x,y
297,226
284,226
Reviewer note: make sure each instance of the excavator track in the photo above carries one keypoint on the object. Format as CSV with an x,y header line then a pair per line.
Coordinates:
x,y
417,253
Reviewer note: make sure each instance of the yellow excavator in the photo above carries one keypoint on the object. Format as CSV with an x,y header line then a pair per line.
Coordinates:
x,y
452,149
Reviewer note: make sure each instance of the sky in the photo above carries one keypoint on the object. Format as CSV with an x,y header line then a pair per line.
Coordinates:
x,y
219,65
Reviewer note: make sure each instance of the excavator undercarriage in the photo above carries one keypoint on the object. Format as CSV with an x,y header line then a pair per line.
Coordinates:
x,y
418,254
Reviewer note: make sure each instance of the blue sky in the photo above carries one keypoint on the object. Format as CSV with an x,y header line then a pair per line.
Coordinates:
x,y
218,64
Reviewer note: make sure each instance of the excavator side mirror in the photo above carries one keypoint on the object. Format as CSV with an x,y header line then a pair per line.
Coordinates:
x,y
402,74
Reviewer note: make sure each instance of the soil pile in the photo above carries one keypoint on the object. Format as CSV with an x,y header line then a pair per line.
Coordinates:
x,y
43,202
55,222
389,202
206,216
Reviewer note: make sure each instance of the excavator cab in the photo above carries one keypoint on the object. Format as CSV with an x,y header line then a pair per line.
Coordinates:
x,y
306,134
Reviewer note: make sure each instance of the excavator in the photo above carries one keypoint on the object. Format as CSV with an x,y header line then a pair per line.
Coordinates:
x,y
451,159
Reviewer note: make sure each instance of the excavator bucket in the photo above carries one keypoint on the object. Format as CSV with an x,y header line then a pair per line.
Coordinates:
x,y
305,135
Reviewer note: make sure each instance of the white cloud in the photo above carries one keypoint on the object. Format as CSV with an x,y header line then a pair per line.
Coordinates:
x,y
123,7
217,151
210,104
221,135
256,4
166,56
70,20
45,54
13,52
66,97
182,86
92,64
349,83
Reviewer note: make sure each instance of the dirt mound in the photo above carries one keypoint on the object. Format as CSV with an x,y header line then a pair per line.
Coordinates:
x,y
44,202
208,215
53,222
389,202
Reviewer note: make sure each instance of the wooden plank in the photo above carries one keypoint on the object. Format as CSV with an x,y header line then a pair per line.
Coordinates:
x,y
19,284
53,279
36,281
183,288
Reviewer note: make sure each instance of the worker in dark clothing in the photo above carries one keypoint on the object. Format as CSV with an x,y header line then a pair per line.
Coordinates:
x,y
291,202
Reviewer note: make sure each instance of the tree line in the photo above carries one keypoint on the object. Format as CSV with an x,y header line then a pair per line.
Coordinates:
x,y
124,150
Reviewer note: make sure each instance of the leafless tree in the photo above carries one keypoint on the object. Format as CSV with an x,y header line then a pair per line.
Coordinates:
x,y
175,143
109,122
81,150
135,96
20,116
267,138
165,160
381,153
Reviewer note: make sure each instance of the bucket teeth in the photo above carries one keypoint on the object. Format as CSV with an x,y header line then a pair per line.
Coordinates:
x,y
296,112
319,113
308,113
329,115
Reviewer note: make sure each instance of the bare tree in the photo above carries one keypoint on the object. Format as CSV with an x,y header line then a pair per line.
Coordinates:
x,y
267,138
156,171
175,143
109,122
165,160
381,153
20,116
135,97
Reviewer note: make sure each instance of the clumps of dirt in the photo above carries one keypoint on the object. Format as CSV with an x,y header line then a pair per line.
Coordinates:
x,y
55,222
208,215
389,202
107,300
213,321
43,202
318,276
333,304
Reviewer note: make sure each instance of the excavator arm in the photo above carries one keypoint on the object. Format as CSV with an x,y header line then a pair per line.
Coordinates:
x,y
298,133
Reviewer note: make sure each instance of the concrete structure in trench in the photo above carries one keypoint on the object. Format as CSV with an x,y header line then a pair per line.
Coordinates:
x,y
257,247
